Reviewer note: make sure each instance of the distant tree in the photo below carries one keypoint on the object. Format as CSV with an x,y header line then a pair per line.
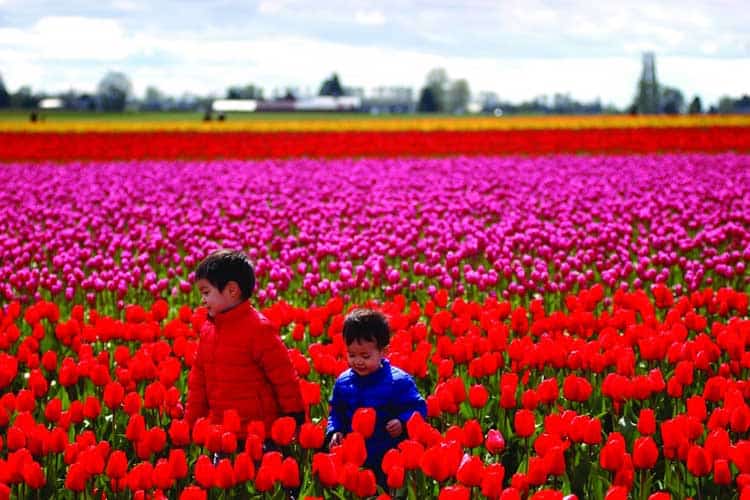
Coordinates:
x,y
437,81
647,97
672,100
458,96
4,96
696,107
742,105
24,98
332,87
249,91
726,105
114,90
153,100
427,101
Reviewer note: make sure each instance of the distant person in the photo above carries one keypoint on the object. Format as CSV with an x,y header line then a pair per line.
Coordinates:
x,y
33,117
241,362
371,382
207,116
222,117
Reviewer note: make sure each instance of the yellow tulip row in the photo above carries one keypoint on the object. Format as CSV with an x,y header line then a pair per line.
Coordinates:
x,y
353,123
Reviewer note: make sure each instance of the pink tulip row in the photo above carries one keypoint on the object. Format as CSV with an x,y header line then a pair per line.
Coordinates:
x,y
371,227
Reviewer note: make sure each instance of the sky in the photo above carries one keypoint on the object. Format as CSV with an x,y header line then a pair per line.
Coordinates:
x,y
517,49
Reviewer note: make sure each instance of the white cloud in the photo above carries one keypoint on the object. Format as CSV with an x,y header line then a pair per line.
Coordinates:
x,y
369,17
270,7
519,50
70,38
127,5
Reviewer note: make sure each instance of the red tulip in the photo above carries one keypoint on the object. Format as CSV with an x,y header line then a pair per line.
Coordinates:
x,y
576,388
162,476
722,472
178,463
612,454
470,471
616,493
16,438
554,461
228,442
324,467
140,476
411,452
76,478
512,493
224,474
193,493
282,430
395,477
290,473
699,461
537,474
117,465
244,468
310,391
354,450
647,422
53,410
363,421
592,433
154,395
739,420
472,434
311,436
213,438
179,433
132,403
492,480
523,423
136,428
92,408
114,393
660,495
456,492
156,439
548,391
441,461
366,485
645,453
33,475
478,396
204,472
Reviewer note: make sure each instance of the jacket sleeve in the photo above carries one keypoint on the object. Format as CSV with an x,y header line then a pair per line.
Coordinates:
x,y
409,399
274,360
197,400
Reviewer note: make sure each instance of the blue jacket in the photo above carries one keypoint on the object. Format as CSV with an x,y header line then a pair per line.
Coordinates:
x,y
390,391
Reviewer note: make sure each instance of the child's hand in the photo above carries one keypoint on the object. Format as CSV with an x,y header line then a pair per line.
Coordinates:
x,y
394,427
336,439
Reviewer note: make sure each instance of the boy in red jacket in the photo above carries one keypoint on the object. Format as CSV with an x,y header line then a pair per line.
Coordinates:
x,y
241,362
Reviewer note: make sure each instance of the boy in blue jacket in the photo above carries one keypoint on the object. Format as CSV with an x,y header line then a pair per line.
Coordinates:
x,y
371,382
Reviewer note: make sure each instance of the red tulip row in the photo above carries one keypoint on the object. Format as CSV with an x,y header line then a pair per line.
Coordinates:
x,y
634,394
20,146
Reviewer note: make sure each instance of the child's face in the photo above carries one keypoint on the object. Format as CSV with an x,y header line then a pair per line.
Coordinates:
x,y
217,301
364,357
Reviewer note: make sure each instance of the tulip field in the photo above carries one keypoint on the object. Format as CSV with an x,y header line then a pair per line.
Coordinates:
x,y
570,295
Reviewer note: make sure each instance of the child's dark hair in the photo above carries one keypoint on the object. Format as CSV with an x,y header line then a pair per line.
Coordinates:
x,y
223,266
367,325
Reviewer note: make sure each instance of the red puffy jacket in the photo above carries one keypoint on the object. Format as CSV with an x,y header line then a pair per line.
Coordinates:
x,y
242,364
